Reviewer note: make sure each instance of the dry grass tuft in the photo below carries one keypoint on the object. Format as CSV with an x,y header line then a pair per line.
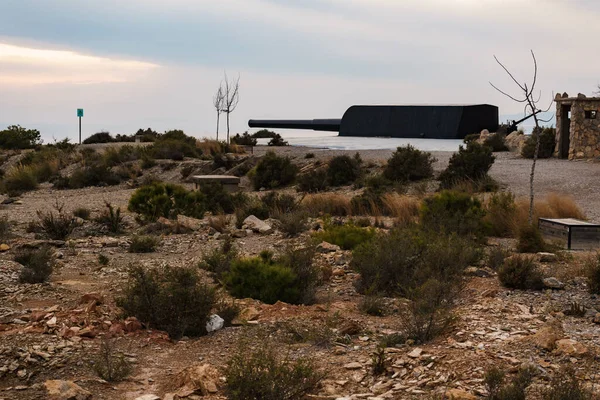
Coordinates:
x,y
327,204
404,209
219,223
208,146
552,206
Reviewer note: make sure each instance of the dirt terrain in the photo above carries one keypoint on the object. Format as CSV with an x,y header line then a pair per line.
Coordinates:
x,y
53,330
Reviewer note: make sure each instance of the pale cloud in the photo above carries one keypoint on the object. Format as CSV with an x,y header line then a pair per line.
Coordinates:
x,y
30,66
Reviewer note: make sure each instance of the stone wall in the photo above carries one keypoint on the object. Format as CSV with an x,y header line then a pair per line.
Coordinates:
x,y
584,132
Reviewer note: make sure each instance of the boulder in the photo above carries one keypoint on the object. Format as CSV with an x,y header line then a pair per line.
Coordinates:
x,y
353,365
547,335
325,247
66,390
257,225
553,283
198,379
570,347
190,223
515,141
214,323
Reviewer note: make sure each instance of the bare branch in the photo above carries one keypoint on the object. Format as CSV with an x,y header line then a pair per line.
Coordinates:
x,y
509,73
534,72
508,95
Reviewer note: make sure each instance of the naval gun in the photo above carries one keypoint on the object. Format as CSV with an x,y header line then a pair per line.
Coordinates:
x,y
400,121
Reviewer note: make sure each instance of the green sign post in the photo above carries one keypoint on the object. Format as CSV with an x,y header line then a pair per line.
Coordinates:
x,y
80,115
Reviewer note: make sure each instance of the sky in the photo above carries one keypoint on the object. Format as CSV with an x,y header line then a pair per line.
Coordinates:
x,y
157,63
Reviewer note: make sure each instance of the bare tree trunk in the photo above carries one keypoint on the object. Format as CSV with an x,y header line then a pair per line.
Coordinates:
x,y
218,117
227,127
532,175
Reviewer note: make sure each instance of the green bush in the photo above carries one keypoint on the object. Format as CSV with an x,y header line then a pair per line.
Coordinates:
x,y
90,175
343,170
530,240
16,137
347,236
263,279
453,212
273,171
279,203
169,299
471,163
547,143
100,137
400,261
264,134
313,181
499,389
496,257
277,140
500,214
471,137
258,209
166,200
143,244
217,198
262,373
372,305
173,150
103,259
308,275
409,164
309,155
520,272
38,264
19,180
496,141
244,139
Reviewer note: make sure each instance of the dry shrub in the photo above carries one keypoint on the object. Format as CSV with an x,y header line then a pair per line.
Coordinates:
x,y
552,206
208,146
111,364
327,204
404,208
520,272
37,264
564,206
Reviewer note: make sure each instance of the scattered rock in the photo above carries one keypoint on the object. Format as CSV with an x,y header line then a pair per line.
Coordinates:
x,y
349,328
553,283
353,365
547,335
248,314
148,397
416,353
570,347
198,379
66,390
4,247
547,257
325,247
596,319
87,298
257,225
480,272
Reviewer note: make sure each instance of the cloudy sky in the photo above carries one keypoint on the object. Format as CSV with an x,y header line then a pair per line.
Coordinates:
x,y
157,63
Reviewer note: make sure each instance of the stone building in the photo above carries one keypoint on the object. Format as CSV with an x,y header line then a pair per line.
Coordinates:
x,y
577,126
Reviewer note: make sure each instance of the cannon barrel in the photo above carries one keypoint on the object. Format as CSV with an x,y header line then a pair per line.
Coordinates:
x,y
330,125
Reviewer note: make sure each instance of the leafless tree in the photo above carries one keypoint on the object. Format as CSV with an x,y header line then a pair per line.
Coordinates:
x,y
219,103
231,98
530,102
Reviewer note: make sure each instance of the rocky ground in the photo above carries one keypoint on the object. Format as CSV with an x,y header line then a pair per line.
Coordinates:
x,y
50,333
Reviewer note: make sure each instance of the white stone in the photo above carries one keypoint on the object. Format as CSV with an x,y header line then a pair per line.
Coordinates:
x,y
257,225
214,323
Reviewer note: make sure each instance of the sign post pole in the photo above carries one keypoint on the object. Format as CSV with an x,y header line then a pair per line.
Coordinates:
x,y
80,115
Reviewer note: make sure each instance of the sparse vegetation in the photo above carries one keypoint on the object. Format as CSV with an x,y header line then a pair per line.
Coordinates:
x,y
273,171
530,240
38,264
372,304
409,164
499,389
263,373
169,299
292,223
103,260
277,140
566,386
313,181
332,204
111,364
593,273
166,200
496,141
520,272
82,212
55,226
496,257
143,244
500,215
111,218
218,260
19,180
